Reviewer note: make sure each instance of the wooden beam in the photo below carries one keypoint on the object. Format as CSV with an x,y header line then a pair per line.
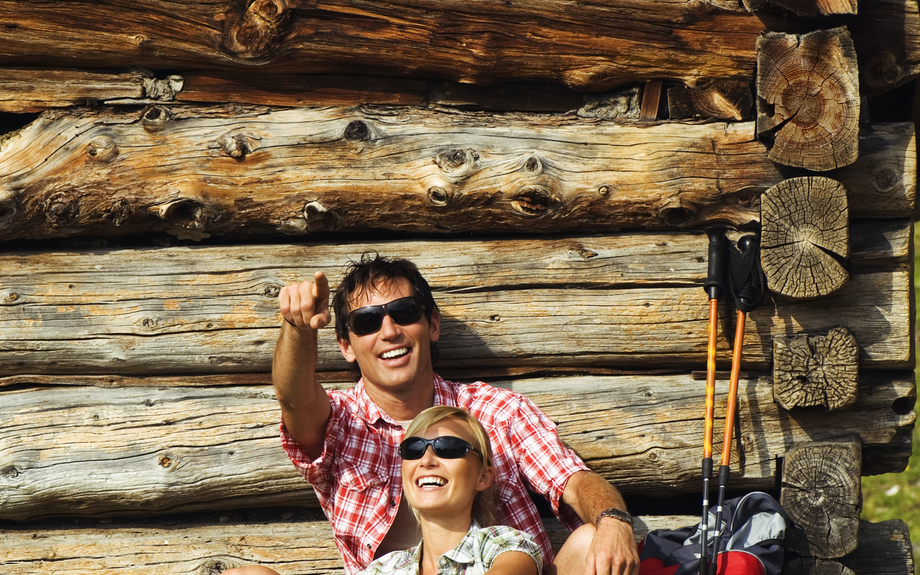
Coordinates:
x,y
821,494
292,542
808,98
608,301
805,242
816,370
593,46
234,171
141,451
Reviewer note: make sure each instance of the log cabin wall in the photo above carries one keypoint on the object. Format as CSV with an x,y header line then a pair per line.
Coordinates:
x,y
165,167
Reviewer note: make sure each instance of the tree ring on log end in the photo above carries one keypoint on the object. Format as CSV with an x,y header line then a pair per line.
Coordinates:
x,y
533,201
808,98
821,493
154,118
102,149
61,208
816,371
814,566
805,237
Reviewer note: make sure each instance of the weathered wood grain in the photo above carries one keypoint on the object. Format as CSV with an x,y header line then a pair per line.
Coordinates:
x,y
821,494
808,98
805,237
625,301
295,545
590,46
142,451
244,171
31,90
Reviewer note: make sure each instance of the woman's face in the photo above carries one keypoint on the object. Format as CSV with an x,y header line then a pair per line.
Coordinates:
x,y
445,487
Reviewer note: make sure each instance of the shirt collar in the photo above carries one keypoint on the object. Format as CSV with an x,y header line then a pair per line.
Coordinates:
x,y
463,552
371,413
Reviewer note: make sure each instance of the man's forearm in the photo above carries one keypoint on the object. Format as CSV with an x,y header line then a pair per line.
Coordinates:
x,y
589,494
304,403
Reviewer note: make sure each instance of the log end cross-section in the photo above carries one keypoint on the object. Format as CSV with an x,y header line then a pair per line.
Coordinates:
x,y
808,98
821,494
805,237
816,371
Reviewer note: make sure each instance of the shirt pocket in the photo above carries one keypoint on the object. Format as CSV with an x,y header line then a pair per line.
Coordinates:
x,y
360,477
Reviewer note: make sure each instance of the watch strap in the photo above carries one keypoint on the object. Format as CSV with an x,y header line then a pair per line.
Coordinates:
x,y
615,513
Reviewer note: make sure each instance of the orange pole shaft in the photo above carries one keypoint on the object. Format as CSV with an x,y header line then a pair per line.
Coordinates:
x,y
733,390
711,377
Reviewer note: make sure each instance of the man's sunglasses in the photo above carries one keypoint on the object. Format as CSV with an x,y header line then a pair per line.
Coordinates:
x,y
403,311
445,447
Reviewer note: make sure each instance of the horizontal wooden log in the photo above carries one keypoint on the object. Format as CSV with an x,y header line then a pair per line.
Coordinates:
x,y
624,301
292,543
591,46
196,172
31,90
140,451
892,26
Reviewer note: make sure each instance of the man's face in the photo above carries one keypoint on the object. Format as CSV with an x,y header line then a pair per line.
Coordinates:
x,y
396,358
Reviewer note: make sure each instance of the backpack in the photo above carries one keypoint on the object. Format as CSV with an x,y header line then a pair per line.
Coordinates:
x,y
751,543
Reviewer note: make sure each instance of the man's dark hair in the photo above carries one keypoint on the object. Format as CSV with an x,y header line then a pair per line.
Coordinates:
x,y
376,271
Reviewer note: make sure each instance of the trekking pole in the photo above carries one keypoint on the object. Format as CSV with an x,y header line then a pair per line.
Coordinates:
x,y
747,283
714,286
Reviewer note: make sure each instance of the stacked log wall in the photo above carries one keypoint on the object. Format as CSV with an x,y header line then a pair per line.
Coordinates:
x,y
550,167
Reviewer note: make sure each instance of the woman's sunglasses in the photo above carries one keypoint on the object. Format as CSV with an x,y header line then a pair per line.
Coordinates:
x,y
403,311
445,447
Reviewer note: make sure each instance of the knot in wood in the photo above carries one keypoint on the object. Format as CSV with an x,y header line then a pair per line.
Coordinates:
x,y
319,218
119,212
164,90
533,201
457,163
676,216
604,190
7,211
357,131
533,165
882,71
61,208
187,213
439,196
10,472
255,34
102,149
154,118
886,179
238,145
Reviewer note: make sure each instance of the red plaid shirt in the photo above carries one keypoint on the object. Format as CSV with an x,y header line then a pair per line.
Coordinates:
x,y
357,477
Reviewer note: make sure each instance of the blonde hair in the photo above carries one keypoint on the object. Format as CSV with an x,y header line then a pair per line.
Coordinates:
x,y
483,508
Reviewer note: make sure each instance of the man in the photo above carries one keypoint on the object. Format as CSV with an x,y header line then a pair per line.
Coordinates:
x,y
345,443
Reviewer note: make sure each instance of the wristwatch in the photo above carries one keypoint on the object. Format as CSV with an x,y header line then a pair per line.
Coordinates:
x,y
616,514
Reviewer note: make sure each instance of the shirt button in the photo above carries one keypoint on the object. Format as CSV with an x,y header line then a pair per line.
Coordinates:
x,y
392,503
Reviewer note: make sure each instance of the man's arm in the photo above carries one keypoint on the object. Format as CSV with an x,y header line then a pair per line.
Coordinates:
x,y
304,404
613,549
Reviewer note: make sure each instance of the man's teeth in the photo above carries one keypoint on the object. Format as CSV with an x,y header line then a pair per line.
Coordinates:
x,y
430,481
395,353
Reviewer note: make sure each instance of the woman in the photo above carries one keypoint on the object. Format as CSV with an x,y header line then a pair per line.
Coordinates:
x,y
447,475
